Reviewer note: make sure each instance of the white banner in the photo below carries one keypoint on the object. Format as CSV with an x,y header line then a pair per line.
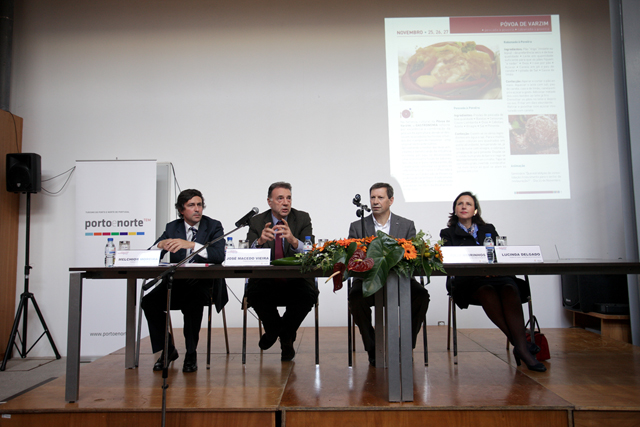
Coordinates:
x,y
114,199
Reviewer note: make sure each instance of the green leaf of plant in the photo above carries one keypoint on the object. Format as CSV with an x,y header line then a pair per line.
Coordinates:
x,y
350,251
386,253
287,261
426,267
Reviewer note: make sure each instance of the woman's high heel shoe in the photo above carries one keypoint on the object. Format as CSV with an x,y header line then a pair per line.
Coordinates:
x,y
538,367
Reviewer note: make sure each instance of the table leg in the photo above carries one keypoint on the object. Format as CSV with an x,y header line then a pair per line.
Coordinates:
x,y
379,329
130,340
393,338
73,337
406,339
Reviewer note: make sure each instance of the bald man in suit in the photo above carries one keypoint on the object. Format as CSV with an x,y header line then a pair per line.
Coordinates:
x,y
381,198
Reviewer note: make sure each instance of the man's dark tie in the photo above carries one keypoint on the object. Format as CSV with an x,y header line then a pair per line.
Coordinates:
x,y
194,231
279,251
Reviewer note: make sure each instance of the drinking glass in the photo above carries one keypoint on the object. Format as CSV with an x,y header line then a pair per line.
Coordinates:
x,y
502,241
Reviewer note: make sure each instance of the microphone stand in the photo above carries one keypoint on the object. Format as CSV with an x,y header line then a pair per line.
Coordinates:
x,y
360,214
173,268
168,274
23,308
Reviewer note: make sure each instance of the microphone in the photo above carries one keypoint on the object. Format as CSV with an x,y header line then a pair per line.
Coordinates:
x,y
154,243
245,219
356,201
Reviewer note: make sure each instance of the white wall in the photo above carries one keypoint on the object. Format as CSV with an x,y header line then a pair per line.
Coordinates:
x,y
238,94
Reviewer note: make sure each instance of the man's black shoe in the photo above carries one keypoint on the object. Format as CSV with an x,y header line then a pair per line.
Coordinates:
x,y
190,363
372,358
267,341
173,355
288,352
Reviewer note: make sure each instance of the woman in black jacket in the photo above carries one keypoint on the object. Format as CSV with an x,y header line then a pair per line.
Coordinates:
x,y
498,295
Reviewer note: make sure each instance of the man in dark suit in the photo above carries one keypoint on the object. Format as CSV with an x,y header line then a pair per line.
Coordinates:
x,y
283,230
381,198
182,237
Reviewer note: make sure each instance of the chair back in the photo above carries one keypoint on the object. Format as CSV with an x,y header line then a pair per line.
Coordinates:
x,y
449,284
523,288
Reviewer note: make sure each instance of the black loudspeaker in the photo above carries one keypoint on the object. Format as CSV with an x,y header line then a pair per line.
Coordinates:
x,y
23,173
600,293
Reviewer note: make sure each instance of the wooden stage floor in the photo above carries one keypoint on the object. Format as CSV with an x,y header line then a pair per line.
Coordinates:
x,y
591,381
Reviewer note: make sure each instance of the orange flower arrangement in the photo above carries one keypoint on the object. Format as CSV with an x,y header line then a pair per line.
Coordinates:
x,y
410,251
383,253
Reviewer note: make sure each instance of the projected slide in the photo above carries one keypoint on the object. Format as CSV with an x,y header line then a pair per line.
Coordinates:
x,y
477,103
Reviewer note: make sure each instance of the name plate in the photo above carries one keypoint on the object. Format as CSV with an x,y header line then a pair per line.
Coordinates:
x,y
464,255
150,258
518,254
247,257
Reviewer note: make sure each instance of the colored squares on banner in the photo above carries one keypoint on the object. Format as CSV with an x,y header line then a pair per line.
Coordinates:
x,y
120,233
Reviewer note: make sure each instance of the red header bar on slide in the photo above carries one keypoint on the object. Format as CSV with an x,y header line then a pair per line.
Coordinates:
x,y
500,24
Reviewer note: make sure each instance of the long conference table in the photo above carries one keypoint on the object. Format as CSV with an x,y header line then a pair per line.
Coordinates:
x,y
397,318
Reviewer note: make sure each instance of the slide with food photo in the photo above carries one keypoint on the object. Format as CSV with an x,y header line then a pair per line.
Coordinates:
x,y
451,70
477,100
534,134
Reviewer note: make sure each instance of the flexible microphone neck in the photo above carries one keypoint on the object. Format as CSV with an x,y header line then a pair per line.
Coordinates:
x,y
245,219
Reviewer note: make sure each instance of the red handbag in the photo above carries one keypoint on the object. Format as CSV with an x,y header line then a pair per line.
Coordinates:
x,y
541,341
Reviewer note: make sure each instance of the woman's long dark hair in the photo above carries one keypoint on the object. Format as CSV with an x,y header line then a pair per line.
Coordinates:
x,y
477,219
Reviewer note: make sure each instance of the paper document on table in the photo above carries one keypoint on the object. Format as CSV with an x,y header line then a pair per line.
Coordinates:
x,y
188,264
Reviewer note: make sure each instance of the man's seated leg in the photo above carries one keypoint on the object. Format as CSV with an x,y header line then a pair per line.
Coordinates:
x,y
263,298
299,300
191,298
270,317
154,305
419,306
361,311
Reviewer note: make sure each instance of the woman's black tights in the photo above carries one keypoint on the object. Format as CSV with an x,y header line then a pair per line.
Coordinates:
x,y
504,308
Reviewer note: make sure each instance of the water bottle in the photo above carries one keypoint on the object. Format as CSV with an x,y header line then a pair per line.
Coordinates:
x,y
308,246
109,253
488,243
229,244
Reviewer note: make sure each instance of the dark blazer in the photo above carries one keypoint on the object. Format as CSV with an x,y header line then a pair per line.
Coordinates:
x,y
401,228
465,286
299,223
456,236
208,230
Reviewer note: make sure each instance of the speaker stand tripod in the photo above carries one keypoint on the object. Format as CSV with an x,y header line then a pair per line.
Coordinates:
x,y
23,309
